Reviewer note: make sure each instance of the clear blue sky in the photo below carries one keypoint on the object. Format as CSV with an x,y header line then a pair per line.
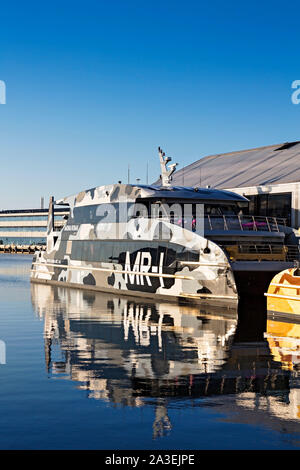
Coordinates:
x,y
95,85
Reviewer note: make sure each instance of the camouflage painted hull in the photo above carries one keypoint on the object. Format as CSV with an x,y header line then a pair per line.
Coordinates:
x,y
210,280
106,246
186,267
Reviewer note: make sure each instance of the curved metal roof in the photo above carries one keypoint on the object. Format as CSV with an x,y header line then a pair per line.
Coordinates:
x,y
273,164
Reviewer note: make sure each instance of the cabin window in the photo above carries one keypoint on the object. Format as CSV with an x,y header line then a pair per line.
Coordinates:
x,y
109,251
221,209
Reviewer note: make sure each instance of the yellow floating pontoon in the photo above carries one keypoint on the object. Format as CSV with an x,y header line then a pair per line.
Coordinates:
x,y
283,296
284,342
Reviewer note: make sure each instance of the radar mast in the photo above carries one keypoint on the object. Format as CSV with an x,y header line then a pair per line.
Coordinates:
x,y
166,172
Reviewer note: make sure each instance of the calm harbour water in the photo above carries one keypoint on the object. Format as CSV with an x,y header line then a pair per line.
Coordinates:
x,y
94,371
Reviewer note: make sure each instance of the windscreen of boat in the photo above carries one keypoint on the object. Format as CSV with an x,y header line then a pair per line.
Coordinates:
x,y
238,208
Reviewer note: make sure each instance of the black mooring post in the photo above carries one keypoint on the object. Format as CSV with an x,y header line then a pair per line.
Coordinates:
x,y
50,224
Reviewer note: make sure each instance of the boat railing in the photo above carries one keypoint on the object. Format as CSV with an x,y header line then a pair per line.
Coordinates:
x,y
263,252
243,223
293,253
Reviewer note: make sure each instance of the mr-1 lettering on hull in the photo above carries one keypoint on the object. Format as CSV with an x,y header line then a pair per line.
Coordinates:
x,y
142,264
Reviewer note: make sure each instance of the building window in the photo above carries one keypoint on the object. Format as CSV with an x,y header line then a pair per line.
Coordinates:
x,y
271,205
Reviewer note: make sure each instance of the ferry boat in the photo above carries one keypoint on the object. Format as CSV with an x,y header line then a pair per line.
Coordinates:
x,y
283,295
163,241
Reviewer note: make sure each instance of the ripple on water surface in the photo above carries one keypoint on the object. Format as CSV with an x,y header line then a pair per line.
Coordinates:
x,y
92,370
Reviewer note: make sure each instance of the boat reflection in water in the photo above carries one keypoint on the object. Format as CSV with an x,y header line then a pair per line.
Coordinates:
x,y
134,353
284,340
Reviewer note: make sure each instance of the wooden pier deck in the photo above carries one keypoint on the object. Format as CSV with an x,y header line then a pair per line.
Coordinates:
x,y
21,249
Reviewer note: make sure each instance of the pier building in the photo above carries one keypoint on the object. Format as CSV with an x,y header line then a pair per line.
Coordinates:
x,y
25,227
268,176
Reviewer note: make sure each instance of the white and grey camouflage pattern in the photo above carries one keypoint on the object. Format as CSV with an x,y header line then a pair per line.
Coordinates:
x,y
204,273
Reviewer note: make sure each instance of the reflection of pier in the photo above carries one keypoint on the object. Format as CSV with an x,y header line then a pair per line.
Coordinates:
x,y
248,369
124,352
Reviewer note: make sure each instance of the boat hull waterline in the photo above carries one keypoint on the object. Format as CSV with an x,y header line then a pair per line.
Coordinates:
x,y
142,266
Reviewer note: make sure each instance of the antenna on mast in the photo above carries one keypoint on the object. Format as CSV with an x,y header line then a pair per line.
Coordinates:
x,y
166,172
